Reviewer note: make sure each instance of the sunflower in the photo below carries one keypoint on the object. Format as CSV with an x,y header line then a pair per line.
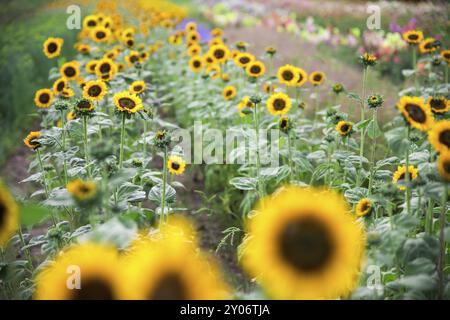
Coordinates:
x,y
363,207
175,40
193,36
97,267
43,98
208,59
71,116
9,215
220,53
214,71
229,92
127,102
416,112
70,70
344,128
279,103
255,69
368,60
438,104
84,107
338,88
243,59
445,54
90,22
413,36
31,140
427,46
190,26
52,47
137,87
59,85
244,103
67,93
285,124
400,173
100,34
439,136
196,64
82,190
112,54
216,33
105,67
443,165
374,101
129,42
271,51
194,50
302,77
95,90
317,78
269,88
132,58
90,66
83,49
302,243
288,75
170,268
176,165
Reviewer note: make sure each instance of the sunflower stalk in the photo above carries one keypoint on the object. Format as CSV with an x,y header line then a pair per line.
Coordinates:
x,y
41,166
163,194
25,250
258,159
122,140
407,174
442,223
414,65
372,156
63,147
85,139
291,167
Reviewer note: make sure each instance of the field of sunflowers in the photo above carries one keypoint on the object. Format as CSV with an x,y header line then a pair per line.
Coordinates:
x,y
167,162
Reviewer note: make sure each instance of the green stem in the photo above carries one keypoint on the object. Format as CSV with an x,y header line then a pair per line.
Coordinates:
x,y
414,62
442,223
258,159
85,140
144,143
63,147
26,250
363,130
372,157
291,167
163,195
122,140
44,181
407,175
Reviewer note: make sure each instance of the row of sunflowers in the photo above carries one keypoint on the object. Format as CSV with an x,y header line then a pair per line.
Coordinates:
x,y
354,208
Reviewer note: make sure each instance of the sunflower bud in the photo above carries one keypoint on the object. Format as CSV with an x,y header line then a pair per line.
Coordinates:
x,y
285,124
338,88
162,139
61,106
375,101
368,60
255,99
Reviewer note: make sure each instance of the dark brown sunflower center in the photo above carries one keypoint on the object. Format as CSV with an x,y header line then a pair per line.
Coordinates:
x,y
287,75
413,37
70,71
92,66
255,69
175,165
219,53
91,23
284,123
444,138
105,68
84,189
345,128
244,60
446,167
437,104
130,43
127,103
197,64
300,78
317,78
137,88
365,206
60,86
84,105
279,104
2,214
134,59
44,98
403,176
94,91
446,55
100,35
416,113
229,93
93,289
169,287
428,45
52,47
306,244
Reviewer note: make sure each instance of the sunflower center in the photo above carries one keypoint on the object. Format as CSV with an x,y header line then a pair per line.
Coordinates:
x,y
428,45
130,43
93,289
134,59
416,113
70,71
279,104
91,23
284,123
52,47
255,69
169,287
287,75
437,104
2,214
127,103
306,244
446,169
105,67
60,86
197,64
94,91
413,37
317,77
84,104
300,78
345,128
228,93
219,54
447,55
100,35
84,189
44,98
365,206
137,88
175,165
244,60
444,138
